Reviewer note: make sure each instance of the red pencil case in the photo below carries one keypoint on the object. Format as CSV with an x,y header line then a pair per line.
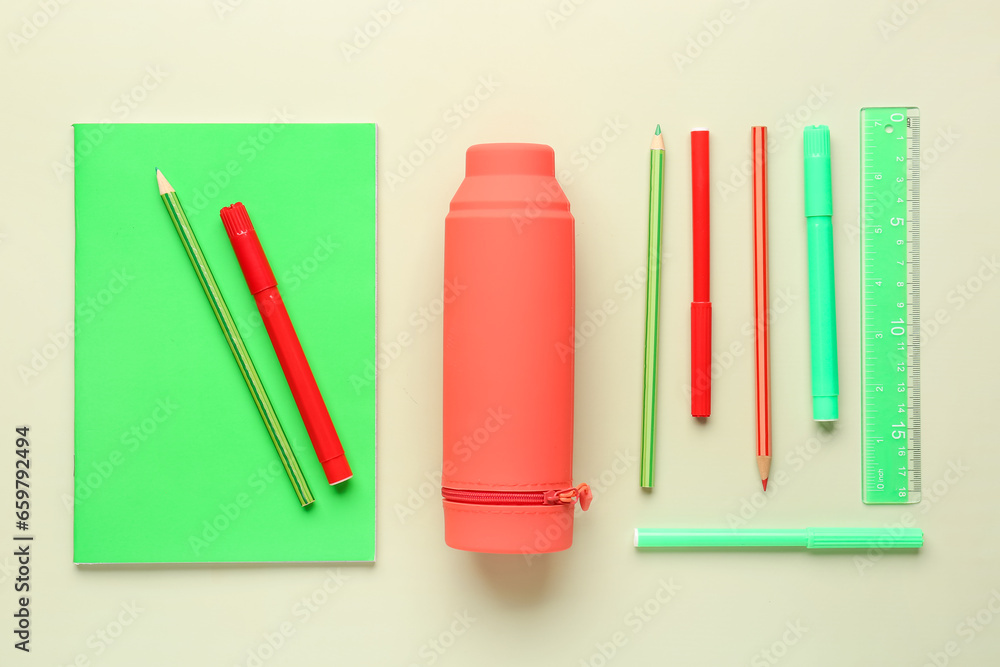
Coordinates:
x,y
508,356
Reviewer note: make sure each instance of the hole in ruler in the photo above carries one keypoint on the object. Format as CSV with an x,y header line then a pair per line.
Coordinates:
x,y
888,129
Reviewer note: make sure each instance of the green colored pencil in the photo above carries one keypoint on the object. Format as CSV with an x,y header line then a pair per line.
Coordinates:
x,y
214,295
648,457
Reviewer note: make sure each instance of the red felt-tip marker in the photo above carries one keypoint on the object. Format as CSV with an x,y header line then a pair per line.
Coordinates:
x,y
701,303
264,287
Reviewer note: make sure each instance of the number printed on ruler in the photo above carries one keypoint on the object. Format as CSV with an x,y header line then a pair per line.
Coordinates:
x,y
890,286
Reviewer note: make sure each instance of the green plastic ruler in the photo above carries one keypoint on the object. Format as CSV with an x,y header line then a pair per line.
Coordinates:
x,y
890,304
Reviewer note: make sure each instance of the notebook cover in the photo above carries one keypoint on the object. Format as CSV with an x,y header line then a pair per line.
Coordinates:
x,y
172,460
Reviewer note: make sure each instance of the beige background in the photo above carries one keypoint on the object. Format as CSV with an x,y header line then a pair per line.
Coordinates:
x,y
573,75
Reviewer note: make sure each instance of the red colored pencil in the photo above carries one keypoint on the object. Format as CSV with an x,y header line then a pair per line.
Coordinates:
x,y
264,287
701,304
758,136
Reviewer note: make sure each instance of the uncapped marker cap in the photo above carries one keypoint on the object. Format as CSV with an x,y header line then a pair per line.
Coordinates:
x,y
816,157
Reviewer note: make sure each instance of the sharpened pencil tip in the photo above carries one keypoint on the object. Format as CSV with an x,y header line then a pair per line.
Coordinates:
x,y
764,482
657,128
657,143
164,184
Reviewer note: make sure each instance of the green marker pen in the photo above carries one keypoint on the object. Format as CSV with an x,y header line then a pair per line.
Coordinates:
x,y
822,295
771,538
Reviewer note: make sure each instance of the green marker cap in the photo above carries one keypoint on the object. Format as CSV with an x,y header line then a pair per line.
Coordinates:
x,y
816,154
865,538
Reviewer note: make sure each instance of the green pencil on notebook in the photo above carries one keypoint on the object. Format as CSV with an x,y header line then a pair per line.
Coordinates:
x,y
234,339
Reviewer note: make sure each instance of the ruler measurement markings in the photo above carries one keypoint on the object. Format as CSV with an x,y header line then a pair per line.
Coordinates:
x,y
890,315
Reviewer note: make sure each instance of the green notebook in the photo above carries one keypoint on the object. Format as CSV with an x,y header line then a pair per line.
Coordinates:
x,y
173,462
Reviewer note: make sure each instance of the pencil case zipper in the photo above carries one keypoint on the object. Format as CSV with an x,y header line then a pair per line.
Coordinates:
x,y
570,496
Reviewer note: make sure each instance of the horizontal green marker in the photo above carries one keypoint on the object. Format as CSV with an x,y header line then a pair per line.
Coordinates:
x,y
809,538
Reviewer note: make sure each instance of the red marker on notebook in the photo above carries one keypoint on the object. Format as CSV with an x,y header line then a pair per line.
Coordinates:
x,y
260,279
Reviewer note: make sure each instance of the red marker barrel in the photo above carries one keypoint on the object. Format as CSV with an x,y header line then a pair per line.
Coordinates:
x,y
507,478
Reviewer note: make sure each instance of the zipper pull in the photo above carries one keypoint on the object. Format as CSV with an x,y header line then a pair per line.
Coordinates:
x,y
581,493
